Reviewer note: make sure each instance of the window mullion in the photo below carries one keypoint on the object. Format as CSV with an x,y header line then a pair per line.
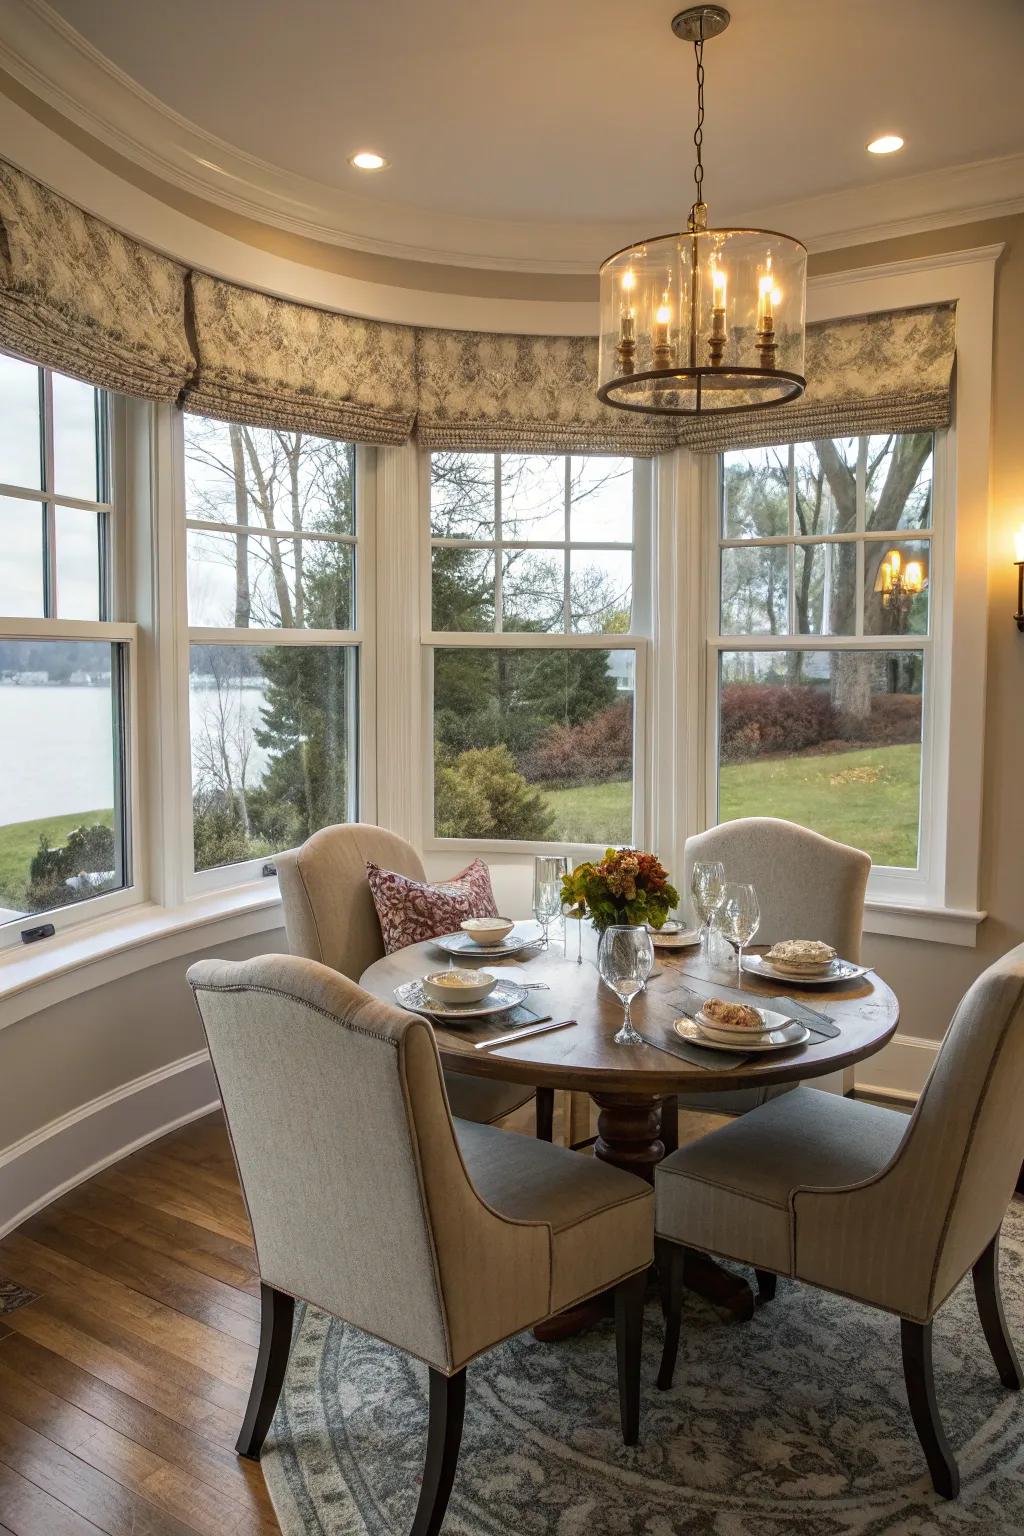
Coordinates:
x,y
566,557
499,553
50,596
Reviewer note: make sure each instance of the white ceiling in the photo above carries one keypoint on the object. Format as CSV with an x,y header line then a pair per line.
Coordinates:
x,y
557,113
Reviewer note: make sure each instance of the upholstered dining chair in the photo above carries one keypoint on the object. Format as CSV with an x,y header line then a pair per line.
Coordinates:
x,y
808,887
864,1202
441,1237
329,916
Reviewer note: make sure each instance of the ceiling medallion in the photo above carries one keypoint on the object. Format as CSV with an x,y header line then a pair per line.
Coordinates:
x,y
707,319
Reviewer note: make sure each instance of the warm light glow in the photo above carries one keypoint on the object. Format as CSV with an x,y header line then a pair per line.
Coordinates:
x,y
886,576
776,295
1018,545
664,315
628,281
885,144
895,562
718,287
914,578
765,295
368,160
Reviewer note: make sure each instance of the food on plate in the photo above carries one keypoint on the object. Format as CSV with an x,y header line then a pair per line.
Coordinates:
x,y
733,1015
801,955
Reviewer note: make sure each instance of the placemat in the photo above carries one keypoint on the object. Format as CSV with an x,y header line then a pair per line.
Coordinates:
x,y
820,1024
659,1033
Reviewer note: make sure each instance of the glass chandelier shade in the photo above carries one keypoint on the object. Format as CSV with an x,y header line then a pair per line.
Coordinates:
x,y
707,319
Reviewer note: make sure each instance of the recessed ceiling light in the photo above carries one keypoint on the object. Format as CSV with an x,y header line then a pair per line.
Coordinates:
x,y
885,144
369,160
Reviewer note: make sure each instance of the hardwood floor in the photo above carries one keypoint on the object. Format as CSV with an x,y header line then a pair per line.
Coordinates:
x,y
123,1383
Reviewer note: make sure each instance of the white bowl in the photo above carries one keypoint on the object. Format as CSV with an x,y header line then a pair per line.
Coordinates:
x,y
488,930
458,986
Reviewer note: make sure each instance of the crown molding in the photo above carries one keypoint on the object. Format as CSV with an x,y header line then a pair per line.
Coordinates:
x,y
48,57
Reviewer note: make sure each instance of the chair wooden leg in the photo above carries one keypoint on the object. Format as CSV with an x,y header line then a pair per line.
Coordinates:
x,y
766,1284
670,1125
629,1337
670,1259
545,1104
993,1322
916,1339
276,1313
444,1436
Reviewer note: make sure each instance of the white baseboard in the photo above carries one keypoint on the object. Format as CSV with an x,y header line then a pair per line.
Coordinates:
x,y
899,1071
52,1160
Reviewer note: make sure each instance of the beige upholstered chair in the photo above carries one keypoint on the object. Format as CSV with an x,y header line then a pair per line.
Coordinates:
x,y
862,1201
329,916
808,887
440,1237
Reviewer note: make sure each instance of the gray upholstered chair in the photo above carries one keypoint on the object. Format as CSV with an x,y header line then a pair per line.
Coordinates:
x,y
441,1237
864,1202
329,916
808,887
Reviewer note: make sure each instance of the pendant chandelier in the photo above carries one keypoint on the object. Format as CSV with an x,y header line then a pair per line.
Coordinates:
x,y
707,319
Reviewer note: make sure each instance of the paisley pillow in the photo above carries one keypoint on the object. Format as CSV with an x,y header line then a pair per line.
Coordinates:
x,y
410,911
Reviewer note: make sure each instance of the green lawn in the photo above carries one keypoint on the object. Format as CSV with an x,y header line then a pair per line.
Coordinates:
x,y
20,841
867,797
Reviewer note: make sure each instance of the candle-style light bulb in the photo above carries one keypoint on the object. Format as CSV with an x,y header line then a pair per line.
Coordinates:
x,y
895,563
765,292
1018,546
886,576
718,287
914,578
662,342
625,352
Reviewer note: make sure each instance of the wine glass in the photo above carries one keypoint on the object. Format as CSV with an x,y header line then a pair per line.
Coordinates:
x,y
548,870
706,883
738,916
624,959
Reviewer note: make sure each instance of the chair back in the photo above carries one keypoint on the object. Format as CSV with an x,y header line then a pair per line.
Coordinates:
x,y
355,1186
905,1237
808,887
328,909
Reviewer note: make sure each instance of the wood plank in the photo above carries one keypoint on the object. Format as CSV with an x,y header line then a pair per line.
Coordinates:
x,y
76,1288
30,1511
115,1509
166,1195
144,1472
155,1275
208,1253
141,1378
213,1463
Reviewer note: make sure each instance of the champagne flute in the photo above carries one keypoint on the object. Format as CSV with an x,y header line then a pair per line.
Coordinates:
x,y
624,959
577,910
706,883
738,916
548,871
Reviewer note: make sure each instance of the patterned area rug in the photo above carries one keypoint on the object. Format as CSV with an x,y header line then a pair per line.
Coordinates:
x,y
795,1424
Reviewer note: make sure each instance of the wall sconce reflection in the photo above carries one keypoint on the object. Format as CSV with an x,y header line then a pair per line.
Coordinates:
x,y
899,582
1018,560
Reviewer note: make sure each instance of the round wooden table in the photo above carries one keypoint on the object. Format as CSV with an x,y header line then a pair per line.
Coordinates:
x,y
630,1084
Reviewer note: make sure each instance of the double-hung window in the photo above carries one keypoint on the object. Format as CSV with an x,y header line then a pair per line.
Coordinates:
x,y
823,650
538,606
275,554
64,660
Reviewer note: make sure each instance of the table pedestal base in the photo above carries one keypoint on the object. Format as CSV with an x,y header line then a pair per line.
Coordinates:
x,y
628,1133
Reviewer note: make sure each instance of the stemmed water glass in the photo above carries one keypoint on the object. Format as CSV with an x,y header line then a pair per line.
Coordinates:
x,y
577,910
706,884
624,959
548,870
738,916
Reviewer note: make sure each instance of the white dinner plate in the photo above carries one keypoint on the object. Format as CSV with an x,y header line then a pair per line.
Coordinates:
x,y
506,995
836,970
684,939
466,948
791,1033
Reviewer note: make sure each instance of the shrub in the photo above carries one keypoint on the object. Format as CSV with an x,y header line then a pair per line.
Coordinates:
x,y
597,751
760,718
481,793
88,849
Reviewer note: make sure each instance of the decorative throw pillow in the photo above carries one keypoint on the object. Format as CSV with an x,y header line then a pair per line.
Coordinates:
x,y
410,911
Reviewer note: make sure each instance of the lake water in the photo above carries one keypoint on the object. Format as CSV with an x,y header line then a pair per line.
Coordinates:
x,y
55,746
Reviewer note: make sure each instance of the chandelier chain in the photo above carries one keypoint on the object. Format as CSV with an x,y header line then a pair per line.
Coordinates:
x,y
698,133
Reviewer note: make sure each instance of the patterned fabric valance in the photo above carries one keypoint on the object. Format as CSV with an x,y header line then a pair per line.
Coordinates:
x,y
534,394
78,296
269,362
888,372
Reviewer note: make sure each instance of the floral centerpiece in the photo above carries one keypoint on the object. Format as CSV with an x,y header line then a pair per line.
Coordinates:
x,y
627,887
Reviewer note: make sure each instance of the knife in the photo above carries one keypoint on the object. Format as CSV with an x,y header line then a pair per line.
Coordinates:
x,y
521,1034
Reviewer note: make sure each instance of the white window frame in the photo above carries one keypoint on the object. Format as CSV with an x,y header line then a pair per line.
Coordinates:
x,y
109,631
359,638
940,901
637,641
886,882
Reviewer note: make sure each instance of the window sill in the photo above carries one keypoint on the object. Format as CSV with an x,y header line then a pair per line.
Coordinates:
x,y
919,920
93,953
